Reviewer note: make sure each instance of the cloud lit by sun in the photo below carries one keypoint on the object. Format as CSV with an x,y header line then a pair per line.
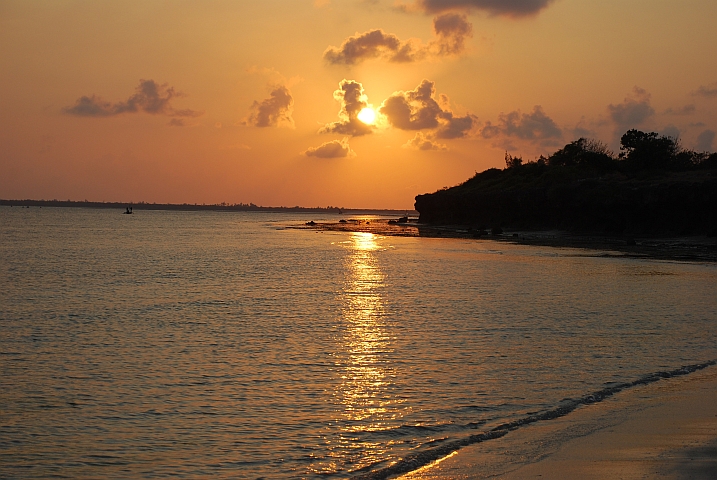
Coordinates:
x,y
367,115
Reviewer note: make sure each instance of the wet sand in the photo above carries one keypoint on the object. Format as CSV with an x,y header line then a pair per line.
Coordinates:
x,y
667,429
684,248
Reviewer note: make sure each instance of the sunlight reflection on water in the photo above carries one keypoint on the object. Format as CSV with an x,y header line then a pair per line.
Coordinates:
x,y
366,403
366,342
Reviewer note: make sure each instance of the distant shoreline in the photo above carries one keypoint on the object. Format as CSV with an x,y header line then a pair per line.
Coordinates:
x,y
188,207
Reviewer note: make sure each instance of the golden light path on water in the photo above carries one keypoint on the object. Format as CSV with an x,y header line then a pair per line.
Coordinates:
x,y
364,395
365,341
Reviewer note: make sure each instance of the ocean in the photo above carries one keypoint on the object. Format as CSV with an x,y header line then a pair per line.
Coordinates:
x,y
231,345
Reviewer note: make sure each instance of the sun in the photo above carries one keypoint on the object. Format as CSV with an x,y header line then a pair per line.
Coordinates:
x,y
367,116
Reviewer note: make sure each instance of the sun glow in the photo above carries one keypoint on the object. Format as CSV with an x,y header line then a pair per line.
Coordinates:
x,y
367,115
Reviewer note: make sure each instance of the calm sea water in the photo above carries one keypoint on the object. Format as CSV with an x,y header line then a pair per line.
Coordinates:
x,y
189,344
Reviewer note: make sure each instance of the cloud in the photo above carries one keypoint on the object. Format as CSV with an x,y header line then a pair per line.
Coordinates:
x,y
705,140
352,99
149,97
419,110
581,132
535,127
371,44
671,131
451,31
332,149
274,111
423,142
507,8
633,111
583,129
456,127
686,110
706,90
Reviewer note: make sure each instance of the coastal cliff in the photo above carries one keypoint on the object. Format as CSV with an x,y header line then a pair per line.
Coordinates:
x,y
652,187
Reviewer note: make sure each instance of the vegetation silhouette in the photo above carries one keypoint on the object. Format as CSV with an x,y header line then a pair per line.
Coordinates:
x,y
653,186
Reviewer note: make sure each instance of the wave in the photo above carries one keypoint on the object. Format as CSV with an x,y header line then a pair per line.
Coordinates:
x,y
404,430
417,460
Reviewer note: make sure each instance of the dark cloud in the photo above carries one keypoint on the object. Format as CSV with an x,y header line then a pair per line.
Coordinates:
x,y
414,109
706,90
451,31
90,107
686,110
273,111
352,99
419,110
456,127
633,111
705,140
508,8
332,149
535,127
371,44
149,97
423,142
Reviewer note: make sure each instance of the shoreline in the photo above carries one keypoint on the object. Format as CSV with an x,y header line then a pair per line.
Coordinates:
x,y
660,247
433,460
666,429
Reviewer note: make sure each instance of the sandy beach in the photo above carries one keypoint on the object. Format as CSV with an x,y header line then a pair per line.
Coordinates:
x,y
667,429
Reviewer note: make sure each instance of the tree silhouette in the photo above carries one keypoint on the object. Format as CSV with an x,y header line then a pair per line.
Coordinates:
x,y
584,152
651,151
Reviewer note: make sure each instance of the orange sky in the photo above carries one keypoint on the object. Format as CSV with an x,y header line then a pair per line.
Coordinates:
x,y
234,101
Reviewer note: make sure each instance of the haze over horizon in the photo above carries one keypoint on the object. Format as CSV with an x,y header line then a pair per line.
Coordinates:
x,y
354,103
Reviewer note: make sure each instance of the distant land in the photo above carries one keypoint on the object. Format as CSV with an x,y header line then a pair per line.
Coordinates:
x,y
191,207
653,187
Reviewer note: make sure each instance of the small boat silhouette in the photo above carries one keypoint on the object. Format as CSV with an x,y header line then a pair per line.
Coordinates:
x,y
128,211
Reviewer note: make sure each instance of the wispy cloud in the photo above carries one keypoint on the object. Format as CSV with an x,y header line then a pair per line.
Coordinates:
x,y
149,97
684,110
706,90
450,30
332,149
